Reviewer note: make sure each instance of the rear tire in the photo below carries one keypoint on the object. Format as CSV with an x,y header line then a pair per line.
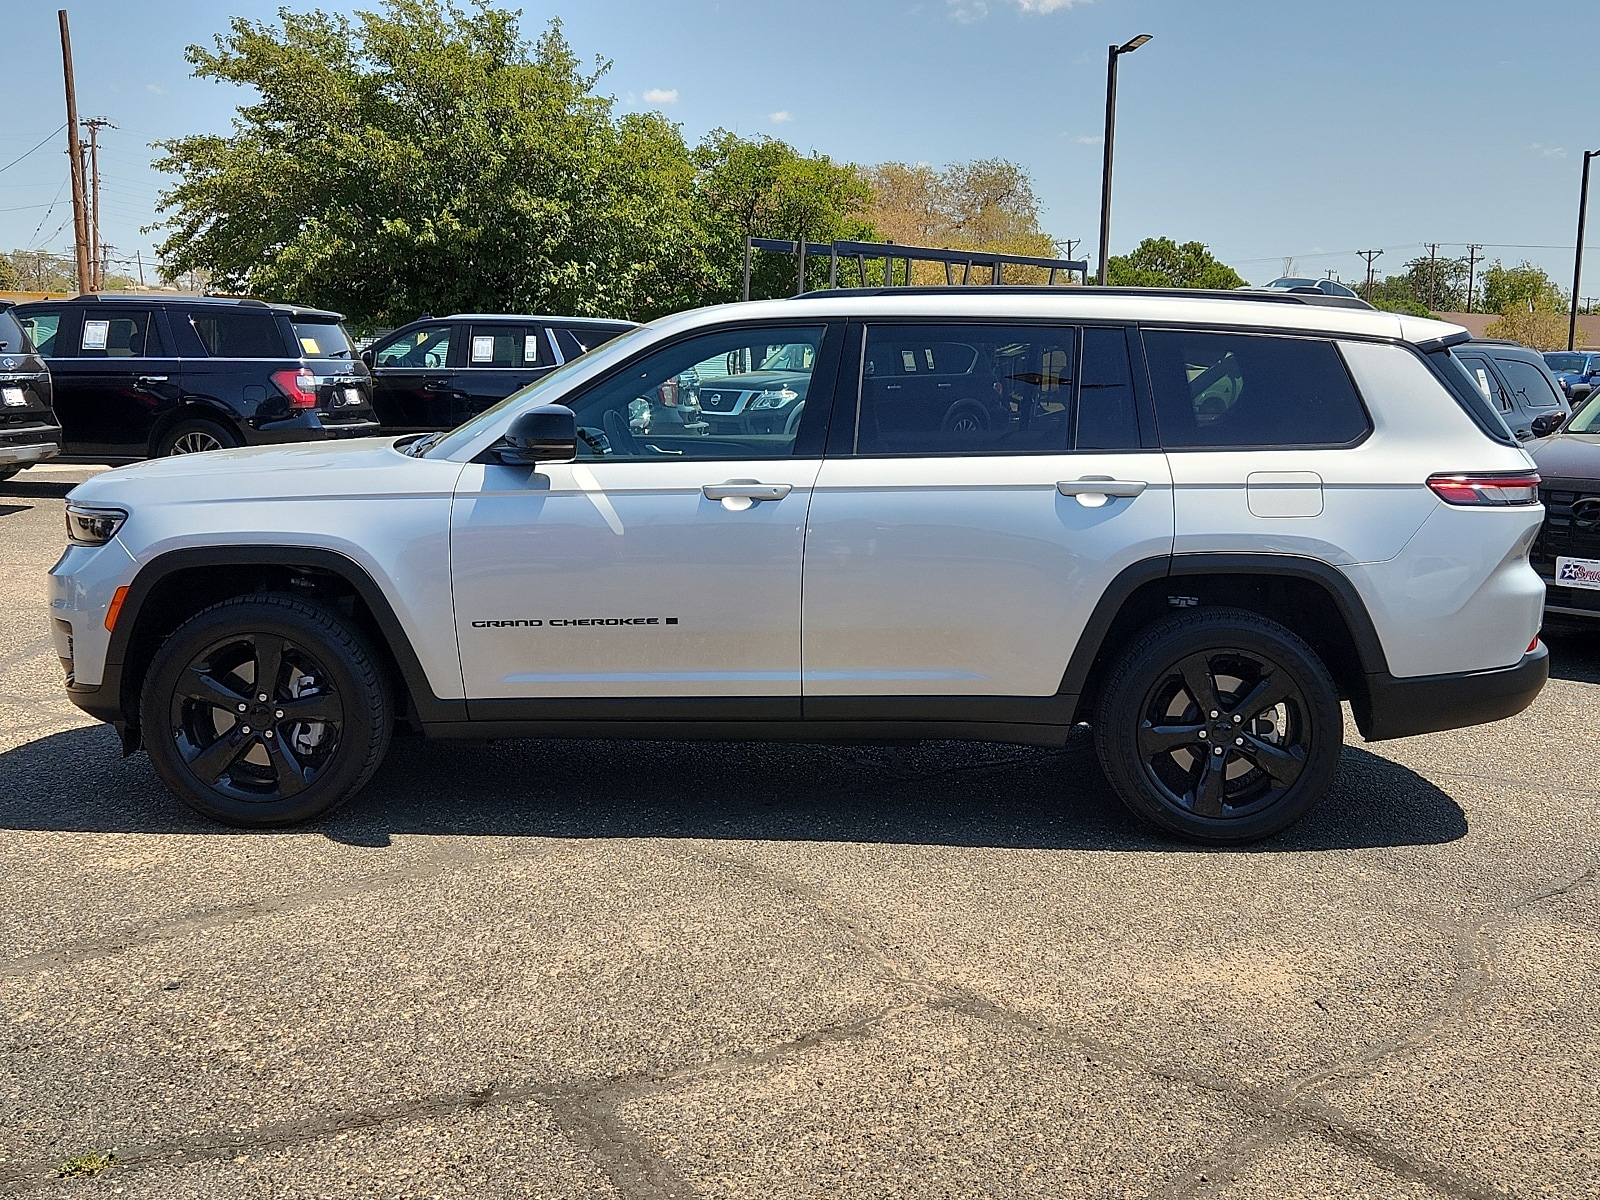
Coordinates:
x,y
264,711
9,473
195,436
1219,726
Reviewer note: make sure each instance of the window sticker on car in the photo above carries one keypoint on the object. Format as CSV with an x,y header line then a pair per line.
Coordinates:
x,y
483,349
908,359
1483,381
309,345
1578,573
530,347
95,333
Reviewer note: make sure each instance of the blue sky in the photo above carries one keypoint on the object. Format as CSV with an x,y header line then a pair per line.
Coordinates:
x,y
1265,128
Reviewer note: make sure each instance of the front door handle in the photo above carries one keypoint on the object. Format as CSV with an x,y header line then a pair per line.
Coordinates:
x,y
746,489
152,379
436,385
1092,491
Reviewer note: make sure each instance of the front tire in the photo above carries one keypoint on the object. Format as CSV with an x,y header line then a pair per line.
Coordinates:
x,y
264,711
1220,726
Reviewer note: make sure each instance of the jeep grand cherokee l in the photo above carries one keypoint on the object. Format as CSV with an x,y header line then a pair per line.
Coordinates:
x,y
1195,521
146,375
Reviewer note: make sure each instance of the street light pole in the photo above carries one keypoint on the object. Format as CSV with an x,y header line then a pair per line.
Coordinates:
x,y
1116,52
1577,256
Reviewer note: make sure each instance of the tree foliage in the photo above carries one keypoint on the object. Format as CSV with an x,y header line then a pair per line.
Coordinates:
x,y
1523,287
1161,262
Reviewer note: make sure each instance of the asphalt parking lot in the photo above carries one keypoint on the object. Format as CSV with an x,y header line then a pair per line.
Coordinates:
x,y
675,970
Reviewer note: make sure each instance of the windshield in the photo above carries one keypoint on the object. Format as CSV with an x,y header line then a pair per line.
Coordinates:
x,y
552,386
322,339
1585,420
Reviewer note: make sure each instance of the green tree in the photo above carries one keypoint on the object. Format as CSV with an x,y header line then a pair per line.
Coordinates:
x,y
1523,286
1161,262
39,271
427,157
1396,294
763,187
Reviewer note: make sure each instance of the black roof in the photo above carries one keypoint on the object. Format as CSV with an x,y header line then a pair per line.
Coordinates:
x,y
579,322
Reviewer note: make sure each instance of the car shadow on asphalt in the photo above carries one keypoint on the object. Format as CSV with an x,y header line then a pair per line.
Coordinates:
x,y
37,489
935,793
1574,656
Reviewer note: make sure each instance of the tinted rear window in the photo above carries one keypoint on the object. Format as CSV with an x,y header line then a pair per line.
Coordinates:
x,y
239,333
1529,383
12,339
322,339
1248,390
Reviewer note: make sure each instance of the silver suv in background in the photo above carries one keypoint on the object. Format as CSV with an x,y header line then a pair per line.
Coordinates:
x,y
1195,521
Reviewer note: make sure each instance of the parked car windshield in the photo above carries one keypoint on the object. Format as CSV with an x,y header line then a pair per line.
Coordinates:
x,y
322,339
1565,362
1585,420
545,391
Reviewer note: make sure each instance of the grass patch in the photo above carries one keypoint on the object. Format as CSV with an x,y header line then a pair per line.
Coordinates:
x,y
87,1166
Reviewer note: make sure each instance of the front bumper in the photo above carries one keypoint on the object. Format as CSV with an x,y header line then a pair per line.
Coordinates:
x,y
1403,707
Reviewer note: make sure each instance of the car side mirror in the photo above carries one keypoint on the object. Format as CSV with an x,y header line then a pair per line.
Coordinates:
x,y
369,357
1547,423
548,433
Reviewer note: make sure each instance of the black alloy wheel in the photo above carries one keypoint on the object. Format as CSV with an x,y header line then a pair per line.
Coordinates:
x,y
1219,725
256,717
265,710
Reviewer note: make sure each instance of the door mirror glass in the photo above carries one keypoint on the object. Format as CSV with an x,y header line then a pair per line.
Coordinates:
x,y
367,356
547,433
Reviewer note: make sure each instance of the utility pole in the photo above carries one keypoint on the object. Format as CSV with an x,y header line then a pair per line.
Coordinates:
x,y
138,257
1473,252
1115,53
1433,257
94,125
80,218
1369,255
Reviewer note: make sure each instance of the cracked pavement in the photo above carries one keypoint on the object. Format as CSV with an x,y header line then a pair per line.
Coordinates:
x,y
648,970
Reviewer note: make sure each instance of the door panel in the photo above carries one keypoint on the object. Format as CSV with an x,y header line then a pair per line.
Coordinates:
x,y
500,360
412,380
604,579
966,576
112,382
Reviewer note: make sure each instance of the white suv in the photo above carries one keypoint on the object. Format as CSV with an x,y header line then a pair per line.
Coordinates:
x,y
1194,521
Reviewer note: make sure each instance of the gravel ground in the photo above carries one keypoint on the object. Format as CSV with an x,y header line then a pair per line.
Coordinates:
x,y
679,970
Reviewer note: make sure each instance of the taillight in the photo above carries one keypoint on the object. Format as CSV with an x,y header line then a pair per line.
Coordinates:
x,y
1493,491
300,386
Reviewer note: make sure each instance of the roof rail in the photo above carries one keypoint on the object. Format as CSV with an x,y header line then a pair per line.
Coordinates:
x,y
1267,296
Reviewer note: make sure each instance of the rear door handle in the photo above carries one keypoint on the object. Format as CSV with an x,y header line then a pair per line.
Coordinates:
x,y
1088,488
152,379
746,489
436,385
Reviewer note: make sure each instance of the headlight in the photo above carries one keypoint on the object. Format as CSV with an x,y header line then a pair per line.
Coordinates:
x,y
93,526
773,398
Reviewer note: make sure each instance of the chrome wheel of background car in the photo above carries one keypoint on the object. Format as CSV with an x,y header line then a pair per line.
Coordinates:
x,y
196,441
1224,734
256,718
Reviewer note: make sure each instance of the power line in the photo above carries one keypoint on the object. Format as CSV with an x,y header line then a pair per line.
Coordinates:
x,y
25,154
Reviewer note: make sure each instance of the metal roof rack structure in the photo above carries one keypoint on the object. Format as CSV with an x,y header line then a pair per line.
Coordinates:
x,y
890,252
1263,296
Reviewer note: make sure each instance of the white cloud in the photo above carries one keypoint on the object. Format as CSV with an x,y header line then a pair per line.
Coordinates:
x,y
661,96
1047,6
1089,139
779,117
154,90
1550,151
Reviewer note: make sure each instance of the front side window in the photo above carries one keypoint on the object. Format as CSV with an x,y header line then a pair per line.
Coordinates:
x,y
509,347
732,394
238,333
121,334
41,328
966,389
12,339
1529,383
426,348
1215,390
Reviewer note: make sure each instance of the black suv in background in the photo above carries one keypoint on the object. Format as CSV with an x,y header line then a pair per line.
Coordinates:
x,y
147,375
28,429
437,372
1519,383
